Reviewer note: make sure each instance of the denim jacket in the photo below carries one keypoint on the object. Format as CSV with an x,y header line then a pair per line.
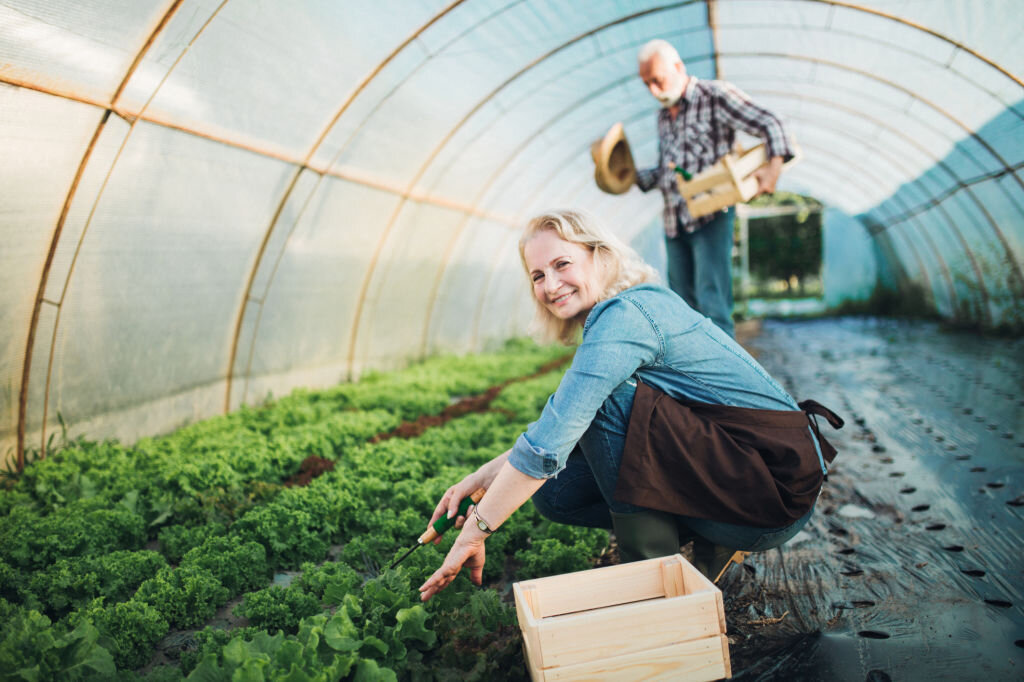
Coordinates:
x,y
646,332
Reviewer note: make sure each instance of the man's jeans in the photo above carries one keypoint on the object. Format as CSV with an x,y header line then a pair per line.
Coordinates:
x,y
700,268
583,493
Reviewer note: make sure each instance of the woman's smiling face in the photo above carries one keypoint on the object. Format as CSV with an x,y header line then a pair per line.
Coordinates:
x,y
565,278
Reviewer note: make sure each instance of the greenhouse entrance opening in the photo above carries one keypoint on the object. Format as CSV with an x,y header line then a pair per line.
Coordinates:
x,y
777,262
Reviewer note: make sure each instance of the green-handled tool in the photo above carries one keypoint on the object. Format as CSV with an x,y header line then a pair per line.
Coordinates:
x,y
442,524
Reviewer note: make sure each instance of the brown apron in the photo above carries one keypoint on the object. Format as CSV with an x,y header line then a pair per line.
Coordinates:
x,y
737,465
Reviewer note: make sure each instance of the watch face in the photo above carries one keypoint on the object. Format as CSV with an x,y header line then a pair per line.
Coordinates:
x,y
481,525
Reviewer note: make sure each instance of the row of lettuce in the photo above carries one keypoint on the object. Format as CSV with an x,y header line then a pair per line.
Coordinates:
x,y
105,548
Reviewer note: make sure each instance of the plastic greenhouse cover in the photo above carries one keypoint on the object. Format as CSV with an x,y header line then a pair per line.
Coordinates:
x,y
289,139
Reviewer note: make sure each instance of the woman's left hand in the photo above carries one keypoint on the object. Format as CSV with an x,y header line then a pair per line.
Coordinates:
x,y
465,551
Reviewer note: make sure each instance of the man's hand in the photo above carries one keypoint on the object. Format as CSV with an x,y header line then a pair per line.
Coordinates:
x,y
468,550
768,175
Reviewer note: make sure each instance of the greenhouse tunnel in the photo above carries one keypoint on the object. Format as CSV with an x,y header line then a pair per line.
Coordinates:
x,y
204,203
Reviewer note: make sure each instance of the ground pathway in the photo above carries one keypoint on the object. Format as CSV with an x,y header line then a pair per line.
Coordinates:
x,y
913,569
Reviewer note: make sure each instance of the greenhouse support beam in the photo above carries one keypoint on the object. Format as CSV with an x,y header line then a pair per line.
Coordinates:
x,y
716,56
44,276
924,29
938,259
55,240
1019,274
712,7
257,262
883,154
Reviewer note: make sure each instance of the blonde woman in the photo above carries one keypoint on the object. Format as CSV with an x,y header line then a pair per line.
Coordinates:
x,y
663,429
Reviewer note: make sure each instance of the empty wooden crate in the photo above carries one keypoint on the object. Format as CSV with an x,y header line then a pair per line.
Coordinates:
x,y
728,182
658,619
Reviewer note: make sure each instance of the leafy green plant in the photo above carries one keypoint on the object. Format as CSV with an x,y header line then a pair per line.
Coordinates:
x,y
290,536
550,556
129,629
31,650
211,641
329,582
31,541
278,608
186,597
72,527
72,583
237,564
179,538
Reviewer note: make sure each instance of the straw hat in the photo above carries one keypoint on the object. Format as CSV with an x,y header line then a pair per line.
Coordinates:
x,y
614,170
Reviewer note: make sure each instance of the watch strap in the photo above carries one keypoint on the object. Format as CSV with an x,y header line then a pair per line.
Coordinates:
x,y
481,523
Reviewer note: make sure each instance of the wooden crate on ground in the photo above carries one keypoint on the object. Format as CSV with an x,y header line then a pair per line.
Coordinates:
x,y
727,183
658,619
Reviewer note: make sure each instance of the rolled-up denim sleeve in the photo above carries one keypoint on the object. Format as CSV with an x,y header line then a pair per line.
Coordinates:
x,y
533,460
617,339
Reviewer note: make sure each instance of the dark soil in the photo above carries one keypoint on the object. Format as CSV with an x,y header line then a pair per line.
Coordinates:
x,y
472,404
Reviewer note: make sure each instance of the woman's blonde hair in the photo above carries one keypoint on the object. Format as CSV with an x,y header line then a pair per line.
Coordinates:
x,y
621,265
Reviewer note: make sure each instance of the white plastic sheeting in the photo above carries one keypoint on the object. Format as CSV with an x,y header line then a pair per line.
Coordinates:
x,y
203,202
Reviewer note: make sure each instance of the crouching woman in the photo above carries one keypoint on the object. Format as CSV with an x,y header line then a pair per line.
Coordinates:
x,y
663,429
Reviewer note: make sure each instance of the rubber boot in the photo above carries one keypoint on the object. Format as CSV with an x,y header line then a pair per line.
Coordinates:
x,y
709,558
645,535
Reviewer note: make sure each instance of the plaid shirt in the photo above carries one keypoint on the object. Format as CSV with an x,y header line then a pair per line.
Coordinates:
x,y
704,131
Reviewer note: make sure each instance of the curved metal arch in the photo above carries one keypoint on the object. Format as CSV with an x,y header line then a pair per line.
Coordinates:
x,y
916,180
567,72
992,223
943,266
960,182
712,12
896,86
715,55
58,230
962,78
357,318
344,145
258,261
499,170
924,29
922,56
964,48
843,179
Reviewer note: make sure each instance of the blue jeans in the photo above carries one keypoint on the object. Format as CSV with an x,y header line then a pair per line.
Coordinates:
x,y
700,269
583,493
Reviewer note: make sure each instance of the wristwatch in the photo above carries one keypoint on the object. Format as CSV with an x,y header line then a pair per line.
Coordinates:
x,y
480,523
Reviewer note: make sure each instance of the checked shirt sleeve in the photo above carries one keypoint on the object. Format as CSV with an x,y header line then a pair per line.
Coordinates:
x,y
739,111
647,178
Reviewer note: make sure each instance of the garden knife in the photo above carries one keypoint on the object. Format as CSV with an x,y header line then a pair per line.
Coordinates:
x,y
443,524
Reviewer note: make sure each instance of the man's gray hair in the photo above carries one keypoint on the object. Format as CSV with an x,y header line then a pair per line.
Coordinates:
x,y
658,47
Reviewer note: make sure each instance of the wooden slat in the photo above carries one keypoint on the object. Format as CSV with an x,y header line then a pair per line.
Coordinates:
x,y
536,674
696,661
597,588
619,630
695,581
672,577
526,609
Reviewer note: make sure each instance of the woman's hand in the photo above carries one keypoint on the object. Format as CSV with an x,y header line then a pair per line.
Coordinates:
x,y
468,550
449,504
481,478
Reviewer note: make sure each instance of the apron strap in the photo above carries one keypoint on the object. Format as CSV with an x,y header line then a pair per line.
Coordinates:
x,y
816,408
813,409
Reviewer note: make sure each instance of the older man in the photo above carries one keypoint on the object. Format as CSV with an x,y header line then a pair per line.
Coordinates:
x,y
696,127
